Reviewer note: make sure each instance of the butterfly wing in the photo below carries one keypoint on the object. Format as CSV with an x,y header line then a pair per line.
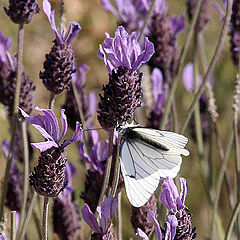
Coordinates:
x,y
144,164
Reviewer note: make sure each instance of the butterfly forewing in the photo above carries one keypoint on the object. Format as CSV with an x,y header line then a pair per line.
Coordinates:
x,y
146,155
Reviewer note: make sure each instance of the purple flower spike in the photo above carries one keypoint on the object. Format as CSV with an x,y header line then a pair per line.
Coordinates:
x,y
124,51
106,212
47,124
178,24
73,28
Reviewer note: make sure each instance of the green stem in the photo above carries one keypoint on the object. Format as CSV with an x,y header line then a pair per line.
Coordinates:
x,y
146,20
107,169
119,217
210,68
233,219
45,219
51,101
28,217
26,173
13,225
14,122
180,66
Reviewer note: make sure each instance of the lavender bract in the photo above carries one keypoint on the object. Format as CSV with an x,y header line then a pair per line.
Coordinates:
x,y
58,66
48,177
22,11
122,55
106,212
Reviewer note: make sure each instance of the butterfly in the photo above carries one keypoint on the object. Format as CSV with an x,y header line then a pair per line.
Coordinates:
x,y
146,155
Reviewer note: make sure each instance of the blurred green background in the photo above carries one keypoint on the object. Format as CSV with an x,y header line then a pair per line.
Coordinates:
x,y
95,21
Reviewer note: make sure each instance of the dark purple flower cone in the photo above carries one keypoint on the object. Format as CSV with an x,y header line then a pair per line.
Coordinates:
x,y
166,50
235,18
235,44
99,236
66,219
154,120
48,176
93,186
204,15
22,11
7,90
185,230
14,195
58,68
139,217
122,95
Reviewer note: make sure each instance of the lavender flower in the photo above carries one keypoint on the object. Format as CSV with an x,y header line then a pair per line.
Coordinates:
x,y
58,66
176,206
2,237
94,178
48,177
159,94
106,212
122,56
8,78
204,15
88,101
162,33
188,81
66,220
22,11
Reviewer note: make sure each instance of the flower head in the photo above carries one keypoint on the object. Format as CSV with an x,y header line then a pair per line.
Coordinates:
x,y
47,124
106,212
124,51
58,66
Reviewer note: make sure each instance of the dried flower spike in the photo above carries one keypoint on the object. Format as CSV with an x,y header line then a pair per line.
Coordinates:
x,y
48,177
22,11
122,56
58,66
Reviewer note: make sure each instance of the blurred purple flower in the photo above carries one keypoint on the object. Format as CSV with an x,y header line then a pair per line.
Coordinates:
x,y
106,212
61,37
98,155
47,124
124,51
2,237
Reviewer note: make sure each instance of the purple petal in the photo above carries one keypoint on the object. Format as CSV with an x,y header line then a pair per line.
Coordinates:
x,y
167,235
43,146
73,30
188,77
142,234
83,68
151,216
178,24
40,123
105,224
221,12
145,55
157,79
51,18
2,237
90,219
92,104
76,137
102,55
5,146
64,125
109,7
183,192
173,223
109,206
70,171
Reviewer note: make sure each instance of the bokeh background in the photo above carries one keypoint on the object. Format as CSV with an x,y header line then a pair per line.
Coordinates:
x,y
95,21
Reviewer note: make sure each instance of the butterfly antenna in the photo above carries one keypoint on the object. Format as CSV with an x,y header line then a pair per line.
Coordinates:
x,y
91,129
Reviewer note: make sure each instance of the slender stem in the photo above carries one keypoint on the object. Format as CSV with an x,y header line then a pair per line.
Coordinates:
x,y
108,168
219,184
14,121
146,20
51,100
62,15
180,66
45,219
119,217
28,217
13,225
233,219
37,223
116,170
26,173
211,66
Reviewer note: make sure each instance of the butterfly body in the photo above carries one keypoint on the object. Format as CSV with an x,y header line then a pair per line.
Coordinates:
x,y
146,155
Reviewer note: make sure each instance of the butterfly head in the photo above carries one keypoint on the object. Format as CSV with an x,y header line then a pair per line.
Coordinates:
x,y
123,128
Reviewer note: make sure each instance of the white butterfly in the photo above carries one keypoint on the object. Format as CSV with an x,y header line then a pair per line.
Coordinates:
x,y
146,155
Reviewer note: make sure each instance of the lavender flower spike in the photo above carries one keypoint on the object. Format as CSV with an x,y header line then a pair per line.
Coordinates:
x,y
106,212
47,124
124,51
